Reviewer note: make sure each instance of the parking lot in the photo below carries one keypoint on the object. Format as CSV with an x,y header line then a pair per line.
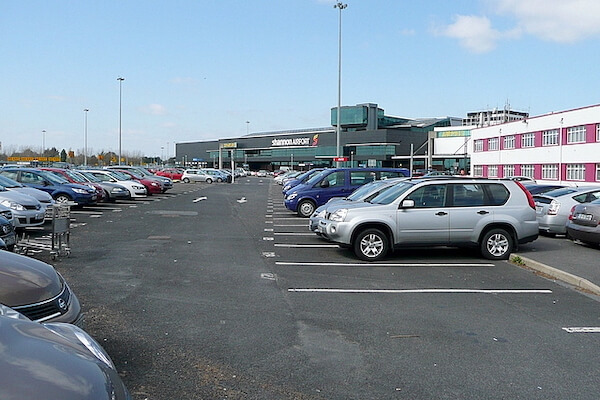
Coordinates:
x,y
217,291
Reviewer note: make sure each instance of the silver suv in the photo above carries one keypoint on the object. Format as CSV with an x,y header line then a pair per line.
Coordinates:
x,y
494,215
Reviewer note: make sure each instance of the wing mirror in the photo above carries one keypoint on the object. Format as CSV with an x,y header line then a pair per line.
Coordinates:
x,y
408,203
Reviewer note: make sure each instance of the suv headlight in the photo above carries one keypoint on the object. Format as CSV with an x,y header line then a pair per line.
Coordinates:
x,y
338,215
12,204
80,191
292,196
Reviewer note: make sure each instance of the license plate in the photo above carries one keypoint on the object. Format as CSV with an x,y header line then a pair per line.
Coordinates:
x,y
584,217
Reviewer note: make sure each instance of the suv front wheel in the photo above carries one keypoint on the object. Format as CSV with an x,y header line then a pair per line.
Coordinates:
x,y
497,244
371,245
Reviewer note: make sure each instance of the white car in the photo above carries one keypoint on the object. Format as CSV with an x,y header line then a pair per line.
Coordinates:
x,y
196,175
135,188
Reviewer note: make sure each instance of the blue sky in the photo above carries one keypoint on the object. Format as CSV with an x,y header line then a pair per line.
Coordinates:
x,y
197,70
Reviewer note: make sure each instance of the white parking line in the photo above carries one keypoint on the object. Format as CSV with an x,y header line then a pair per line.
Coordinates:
x,y
582,329
295,234
311,246
320,264
400,291
292,225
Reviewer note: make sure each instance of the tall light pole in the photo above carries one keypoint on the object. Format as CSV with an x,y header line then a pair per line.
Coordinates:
x,y
120,79
247,127
85,111
338,128
43,141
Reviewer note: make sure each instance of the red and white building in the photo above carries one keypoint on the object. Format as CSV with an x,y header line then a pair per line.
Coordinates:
x,y
562,147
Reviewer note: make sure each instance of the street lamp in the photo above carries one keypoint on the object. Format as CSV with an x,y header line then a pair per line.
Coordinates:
x,y
247,127
120,79
85,111
338,128
43,141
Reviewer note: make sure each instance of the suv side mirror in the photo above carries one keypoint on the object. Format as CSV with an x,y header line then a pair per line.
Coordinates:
x,y
324,184
408,203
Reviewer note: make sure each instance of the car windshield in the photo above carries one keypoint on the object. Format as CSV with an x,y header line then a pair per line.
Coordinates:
x,y
120,176
90,177
388,196
560,192
76,176
130,174
364,190
316,178
55,179
9,183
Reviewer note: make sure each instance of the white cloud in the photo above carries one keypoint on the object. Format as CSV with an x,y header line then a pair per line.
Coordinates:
x,y
561,21
154,109
474,33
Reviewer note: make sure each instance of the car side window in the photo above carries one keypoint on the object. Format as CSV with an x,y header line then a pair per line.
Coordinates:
x,y
335,179
361,177
587,197
10,174
390,174
29,177
468,195
498,194
429,196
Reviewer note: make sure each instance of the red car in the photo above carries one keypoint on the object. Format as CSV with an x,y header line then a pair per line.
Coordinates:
x,y
172,173
76,177
152,187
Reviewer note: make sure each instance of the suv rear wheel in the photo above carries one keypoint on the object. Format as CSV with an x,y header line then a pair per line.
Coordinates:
x,y
497,244
371,245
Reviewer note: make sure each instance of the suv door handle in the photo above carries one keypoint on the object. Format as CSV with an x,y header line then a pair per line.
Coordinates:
x,y
483,212
441,213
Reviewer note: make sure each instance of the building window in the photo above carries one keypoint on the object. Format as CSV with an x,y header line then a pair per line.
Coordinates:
x,y
550,138
528,140
493,171
479,145
597,132
478,170
493,144
598,172
550,171
509,142
527,170
576,134
576,172
509,170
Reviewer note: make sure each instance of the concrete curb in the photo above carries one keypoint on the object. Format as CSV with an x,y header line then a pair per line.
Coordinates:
x,y
557,274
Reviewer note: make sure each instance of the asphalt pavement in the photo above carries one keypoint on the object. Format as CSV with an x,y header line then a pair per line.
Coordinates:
x,y
564,260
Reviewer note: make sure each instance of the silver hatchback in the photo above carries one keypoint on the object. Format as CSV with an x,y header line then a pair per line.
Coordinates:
x,y
494,215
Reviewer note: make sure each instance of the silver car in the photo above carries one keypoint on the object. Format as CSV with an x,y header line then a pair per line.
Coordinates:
x,y
43,197
494,215
363,193
27,211
553,208
196,175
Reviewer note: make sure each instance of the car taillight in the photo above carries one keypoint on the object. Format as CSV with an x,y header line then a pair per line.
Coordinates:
x,y
554,207
528,194
572,213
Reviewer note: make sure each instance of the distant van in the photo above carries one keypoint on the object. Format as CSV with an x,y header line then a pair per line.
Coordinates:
x,y
334,182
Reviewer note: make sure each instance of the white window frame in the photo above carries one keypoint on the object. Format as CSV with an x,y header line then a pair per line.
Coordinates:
x,y
528,140
550,137
478,170
493,171
509,170
493,144
550,171
528,170
478,145
598,172
597,132
576,134
576,172
509,142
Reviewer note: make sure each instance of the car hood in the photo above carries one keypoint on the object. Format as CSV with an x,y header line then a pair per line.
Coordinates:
x,y
40,195
24,280
36,363
21,198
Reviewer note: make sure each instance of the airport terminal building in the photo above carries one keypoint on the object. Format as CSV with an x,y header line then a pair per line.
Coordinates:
x,y
368,138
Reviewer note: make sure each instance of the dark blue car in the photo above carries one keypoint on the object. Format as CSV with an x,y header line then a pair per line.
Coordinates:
x,y
303,177
334,182
59,188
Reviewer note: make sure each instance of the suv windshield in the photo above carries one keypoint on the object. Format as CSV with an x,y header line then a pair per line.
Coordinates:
x,y
388,196
316,178
365,189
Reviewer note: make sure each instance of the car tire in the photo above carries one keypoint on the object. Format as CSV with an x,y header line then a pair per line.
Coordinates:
x,y
208,180
219,180
186,180
62,198
497,244
306,208
371,245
